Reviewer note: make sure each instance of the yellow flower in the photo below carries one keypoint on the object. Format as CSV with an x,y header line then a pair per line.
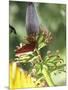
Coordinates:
x,y
19,78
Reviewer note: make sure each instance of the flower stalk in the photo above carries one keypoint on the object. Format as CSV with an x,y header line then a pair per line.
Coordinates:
x,y
45,73
47,77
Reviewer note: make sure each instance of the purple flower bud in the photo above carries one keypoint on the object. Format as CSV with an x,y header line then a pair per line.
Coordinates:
x,y
32,23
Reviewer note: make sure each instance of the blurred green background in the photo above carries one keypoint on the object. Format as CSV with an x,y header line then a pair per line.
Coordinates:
x,y
52,16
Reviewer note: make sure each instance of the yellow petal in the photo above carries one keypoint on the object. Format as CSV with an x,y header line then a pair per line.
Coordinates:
x,y
29,81
12,73
23,79
11,80
17,80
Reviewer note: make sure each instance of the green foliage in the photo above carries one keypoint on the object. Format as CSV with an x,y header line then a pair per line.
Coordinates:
x,y
40,63
42,66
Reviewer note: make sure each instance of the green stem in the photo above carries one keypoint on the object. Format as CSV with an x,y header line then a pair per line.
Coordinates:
x,y
46,73
47,77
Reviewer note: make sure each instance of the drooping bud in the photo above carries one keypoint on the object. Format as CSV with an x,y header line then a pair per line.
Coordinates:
x,y
32,23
